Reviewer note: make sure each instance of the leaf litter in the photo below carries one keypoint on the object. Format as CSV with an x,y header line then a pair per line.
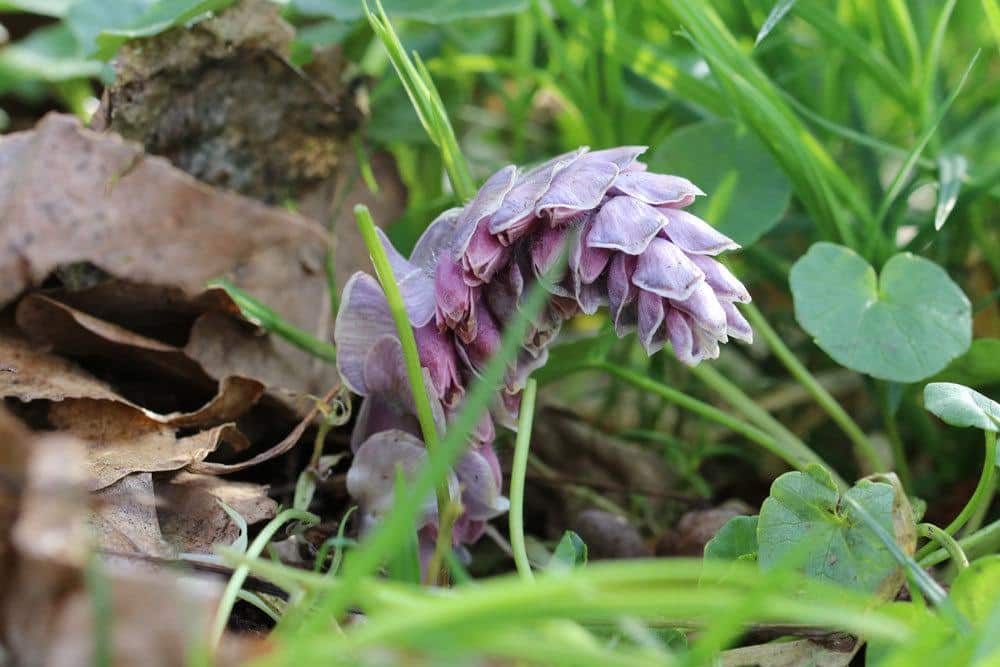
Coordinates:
x,y
129,385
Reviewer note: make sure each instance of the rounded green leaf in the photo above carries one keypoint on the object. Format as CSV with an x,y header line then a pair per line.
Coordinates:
x,y
976,589
804,524
904,325
736,540
960,406
747,191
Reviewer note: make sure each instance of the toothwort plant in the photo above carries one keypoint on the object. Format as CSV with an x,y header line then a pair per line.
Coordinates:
x,y
628,244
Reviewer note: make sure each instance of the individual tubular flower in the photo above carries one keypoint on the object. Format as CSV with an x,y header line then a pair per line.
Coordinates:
x,y
387,432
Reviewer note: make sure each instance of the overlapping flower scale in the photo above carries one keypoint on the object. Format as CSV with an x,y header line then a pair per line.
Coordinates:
x,y
631,247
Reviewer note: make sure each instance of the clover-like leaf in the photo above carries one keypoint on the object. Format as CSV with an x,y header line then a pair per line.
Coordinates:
x,y
805,524
747,191
903,325
736,540
960,406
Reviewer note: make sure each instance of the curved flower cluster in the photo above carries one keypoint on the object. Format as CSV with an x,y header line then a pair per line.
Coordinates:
x,y
631,247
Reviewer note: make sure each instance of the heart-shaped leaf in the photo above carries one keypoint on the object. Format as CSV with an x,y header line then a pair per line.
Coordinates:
x,y
960,406
904,325
747,190
804,523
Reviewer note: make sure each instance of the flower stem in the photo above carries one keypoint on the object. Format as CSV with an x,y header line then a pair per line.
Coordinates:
x,y
517,476
946,541
985,540
790,443
978,496
899,461
794,452
264,317
815,389
414,371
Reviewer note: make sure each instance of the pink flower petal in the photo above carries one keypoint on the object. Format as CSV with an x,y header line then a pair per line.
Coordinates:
x,y
656,189
665,270
625,224
694,235
363,318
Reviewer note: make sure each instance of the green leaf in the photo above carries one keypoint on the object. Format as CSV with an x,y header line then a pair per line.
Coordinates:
x,y
570,552
736,540
976,589
978,367
747,190
429,11
951,171
777,13
960,406
904,325
158,17
86,19
48,54
804,523
54,8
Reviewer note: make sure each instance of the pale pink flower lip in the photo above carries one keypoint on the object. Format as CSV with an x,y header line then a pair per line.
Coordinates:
x,y
634,249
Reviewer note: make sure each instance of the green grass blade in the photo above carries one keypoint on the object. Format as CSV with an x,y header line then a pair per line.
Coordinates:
x,y
903,174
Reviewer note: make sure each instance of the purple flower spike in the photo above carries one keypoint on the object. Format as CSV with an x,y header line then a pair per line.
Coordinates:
x,y
631,247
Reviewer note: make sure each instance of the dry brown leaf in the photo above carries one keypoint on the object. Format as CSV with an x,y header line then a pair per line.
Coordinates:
x,y
157,311
121,440
224,346
34,374
125,518
155,616
286,444
208,99
192,520
139,218
156,620
76,333
144,221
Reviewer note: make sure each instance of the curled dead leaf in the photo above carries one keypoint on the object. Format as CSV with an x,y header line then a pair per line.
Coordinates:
x,y
35,374
124,518
191,517
122,440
